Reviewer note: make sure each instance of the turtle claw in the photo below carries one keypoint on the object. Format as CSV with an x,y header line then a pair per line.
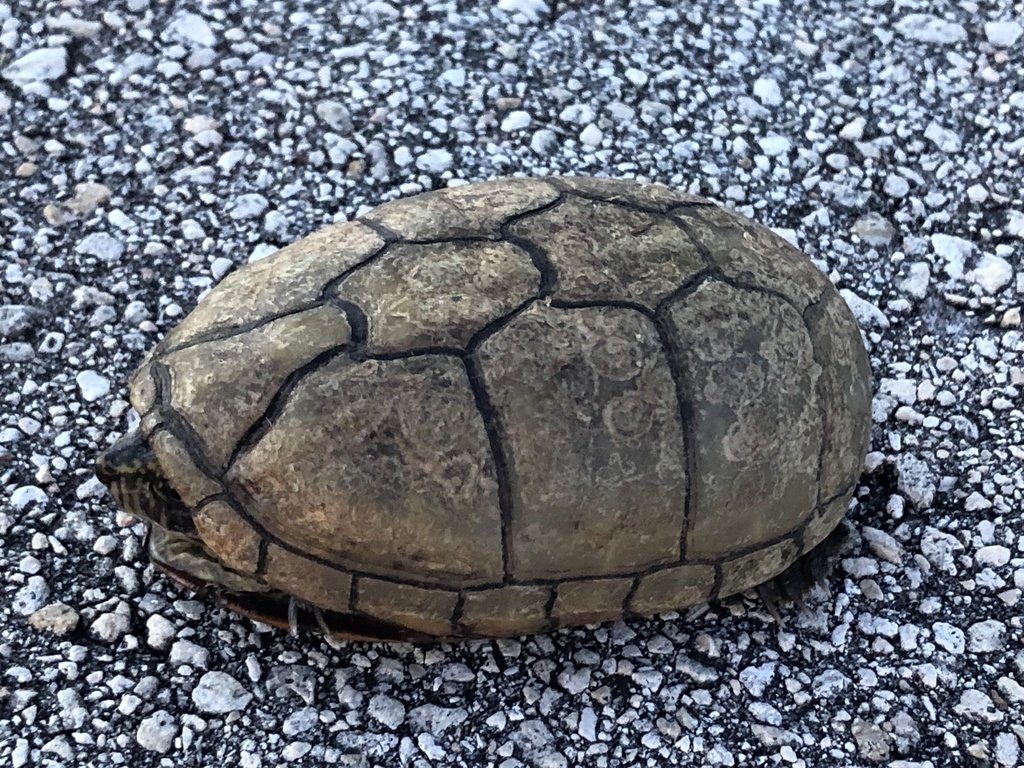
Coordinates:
x,y
293,616
770,600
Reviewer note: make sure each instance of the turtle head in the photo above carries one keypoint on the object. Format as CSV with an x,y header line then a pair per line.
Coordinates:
x,y
132,474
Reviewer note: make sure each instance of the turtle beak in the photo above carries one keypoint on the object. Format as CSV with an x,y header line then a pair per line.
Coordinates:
x,y
106,472
133,475
122,468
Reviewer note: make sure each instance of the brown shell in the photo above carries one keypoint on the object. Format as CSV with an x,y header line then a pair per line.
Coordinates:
x,y
515,405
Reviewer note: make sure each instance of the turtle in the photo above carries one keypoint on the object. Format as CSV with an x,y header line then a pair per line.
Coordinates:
x,y
497,409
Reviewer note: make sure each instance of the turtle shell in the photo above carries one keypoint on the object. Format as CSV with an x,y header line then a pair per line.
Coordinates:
x,y
509,406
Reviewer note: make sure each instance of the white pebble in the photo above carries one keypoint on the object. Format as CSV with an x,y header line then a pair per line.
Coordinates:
x,y
36,67
101,245
853,130
591,136
456,77
543,141
992,556
249,206
588,724
531,9
896,186
230,159
986,636
109,627
191,28
939,549
92,385
949,637
1007,750
159,632
636,76
187,652
978,706
904,390
992,273
918,277
774,146
32,596
926,28
192,230
1003,34
767,90
955,251
943,138
387,711
867,314
156,733
220,267
219,693
915,480
977,193
435,161
515,121
27,494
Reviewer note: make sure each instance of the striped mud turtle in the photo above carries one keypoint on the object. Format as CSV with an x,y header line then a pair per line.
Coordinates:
x,y
500,408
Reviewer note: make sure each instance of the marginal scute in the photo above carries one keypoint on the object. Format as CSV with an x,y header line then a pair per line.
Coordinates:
x,y
286,281
389,471
672,588
602,251
743,573
590,602
751,253
845,389
756,421
825,518
424,610
142,388
307,579
181,470
232,539
438,295
472,210
588,498
505,611
209,373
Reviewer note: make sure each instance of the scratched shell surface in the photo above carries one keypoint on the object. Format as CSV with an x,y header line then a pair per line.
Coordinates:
x,y
515,405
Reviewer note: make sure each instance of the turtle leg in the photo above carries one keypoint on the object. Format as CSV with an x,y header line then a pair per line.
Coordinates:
x,y
294,604
187,559
808,571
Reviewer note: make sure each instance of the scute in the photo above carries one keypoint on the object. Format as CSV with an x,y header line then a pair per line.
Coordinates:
x,y
752,254
590,499
603,251
511,406
200,375
469,211
756,416
279,284
438,295
382,466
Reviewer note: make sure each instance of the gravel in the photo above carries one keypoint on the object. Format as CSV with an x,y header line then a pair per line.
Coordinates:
x,y
219,693
152,150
